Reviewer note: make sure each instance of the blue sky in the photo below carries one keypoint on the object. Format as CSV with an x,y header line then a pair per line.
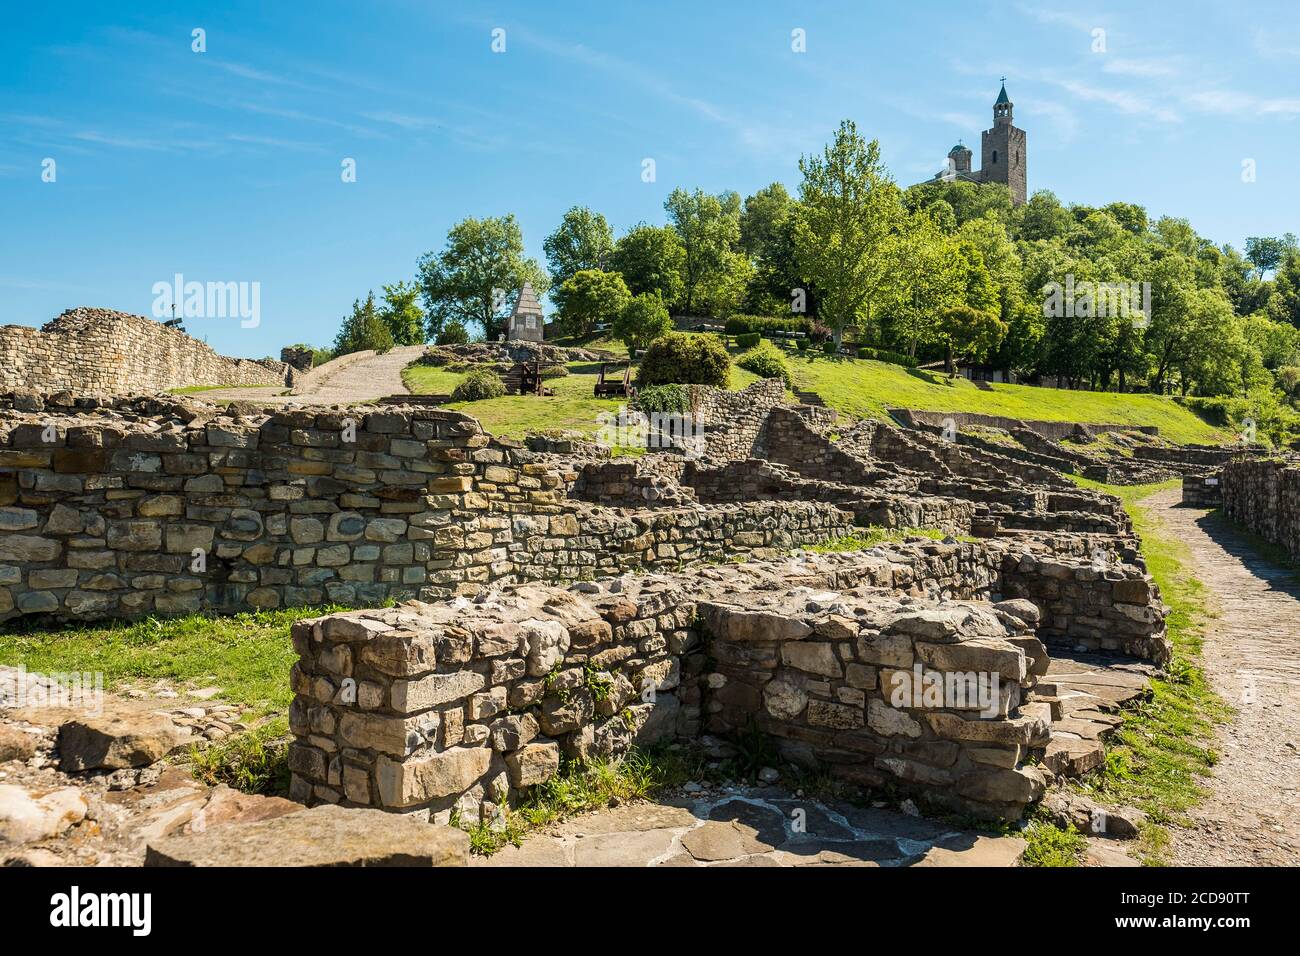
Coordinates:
x,y
225,165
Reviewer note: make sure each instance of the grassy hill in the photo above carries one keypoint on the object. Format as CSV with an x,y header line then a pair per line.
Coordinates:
x,y
573,407
854,387
865,389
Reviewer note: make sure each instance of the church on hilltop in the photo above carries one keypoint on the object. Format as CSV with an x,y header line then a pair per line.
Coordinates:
x,y
1002,154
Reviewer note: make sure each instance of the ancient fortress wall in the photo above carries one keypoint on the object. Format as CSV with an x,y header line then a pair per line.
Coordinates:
x,y
115,353
1264,496
171,507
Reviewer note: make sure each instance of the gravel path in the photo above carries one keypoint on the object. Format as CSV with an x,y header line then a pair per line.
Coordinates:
x,y
340,382
1252,658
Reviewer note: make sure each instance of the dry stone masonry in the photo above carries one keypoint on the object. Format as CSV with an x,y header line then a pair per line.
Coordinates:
x,y
551,602
158,505
1264,496
904,668
115,353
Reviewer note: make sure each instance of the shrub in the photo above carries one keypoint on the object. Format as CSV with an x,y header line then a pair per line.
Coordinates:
x,y
829,347
766,325
642,320
477,386
453,333
685,358
664,398
554,371
765,361
819,333
802,344
884,355
747,340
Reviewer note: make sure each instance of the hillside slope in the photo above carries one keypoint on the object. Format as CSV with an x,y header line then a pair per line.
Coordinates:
x,y
866,389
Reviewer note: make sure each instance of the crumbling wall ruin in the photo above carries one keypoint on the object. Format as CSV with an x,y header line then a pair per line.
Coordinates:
x,y
164,506
116,353
1264,496
463,705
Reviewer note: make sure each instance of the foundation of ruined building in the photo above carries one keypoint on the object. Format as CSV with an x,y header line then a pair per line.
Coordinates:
x,y
907,669
544,606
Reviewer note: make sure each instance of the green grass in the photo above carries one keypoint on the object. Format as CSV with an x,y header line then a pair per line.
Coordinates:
x,y
247,655
871,536
854,387
864,389
1161,755
573,407
194,389
577,788
1050,845
254,762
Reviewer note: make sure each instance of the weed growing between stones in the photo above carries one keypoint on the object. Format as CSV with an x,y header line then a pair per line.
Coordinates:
x,y
254,762
1049,845
871,536
577,788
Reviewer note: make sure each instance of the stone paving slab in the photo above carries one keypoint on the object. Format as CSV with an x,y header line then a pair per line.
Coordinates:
x,y
755,827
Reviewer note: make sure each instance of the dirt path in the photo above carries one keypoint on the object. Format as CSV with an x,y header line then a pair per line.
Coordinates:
x,y
1252,658
353,378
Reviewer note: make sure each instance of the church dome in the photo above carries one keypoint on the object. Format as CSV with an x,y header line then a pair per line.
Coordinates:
x,y
959,148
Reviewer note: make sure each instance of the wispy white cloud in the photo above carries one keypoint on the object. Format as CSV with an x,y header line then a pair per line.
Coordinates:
x,y
1139,67
138,142
273,142
1126,101
1272,43
1236,103
1054,17
404,120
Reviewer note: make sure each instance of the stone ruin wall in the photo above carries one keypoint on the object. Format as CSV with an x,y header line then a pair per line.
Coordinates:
x,y
463,705
1264,496
1203,491
1048,429
104,519
114,353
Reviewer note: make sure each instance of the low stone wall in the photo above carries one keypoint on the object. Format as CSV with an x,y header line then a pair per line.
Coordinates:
x,y
168,506
462,706
115,353
1048,429
1203,491
1264,496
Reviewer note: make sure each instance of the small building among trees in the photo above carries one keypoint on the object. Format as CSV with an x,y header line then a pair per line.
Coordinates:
x,y
525,323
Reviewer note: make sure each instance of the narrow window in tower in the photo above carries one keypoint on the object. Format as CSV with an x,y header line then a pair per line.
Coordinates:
x,y
995,157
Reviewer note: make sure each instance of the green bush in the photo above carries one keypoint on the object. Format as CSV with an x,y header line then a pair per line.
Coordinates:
x,y
685,358
453,333
477,386
802,344
765,361
747,340
766,325
829,347
884,355
664,398
554,371
642,320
